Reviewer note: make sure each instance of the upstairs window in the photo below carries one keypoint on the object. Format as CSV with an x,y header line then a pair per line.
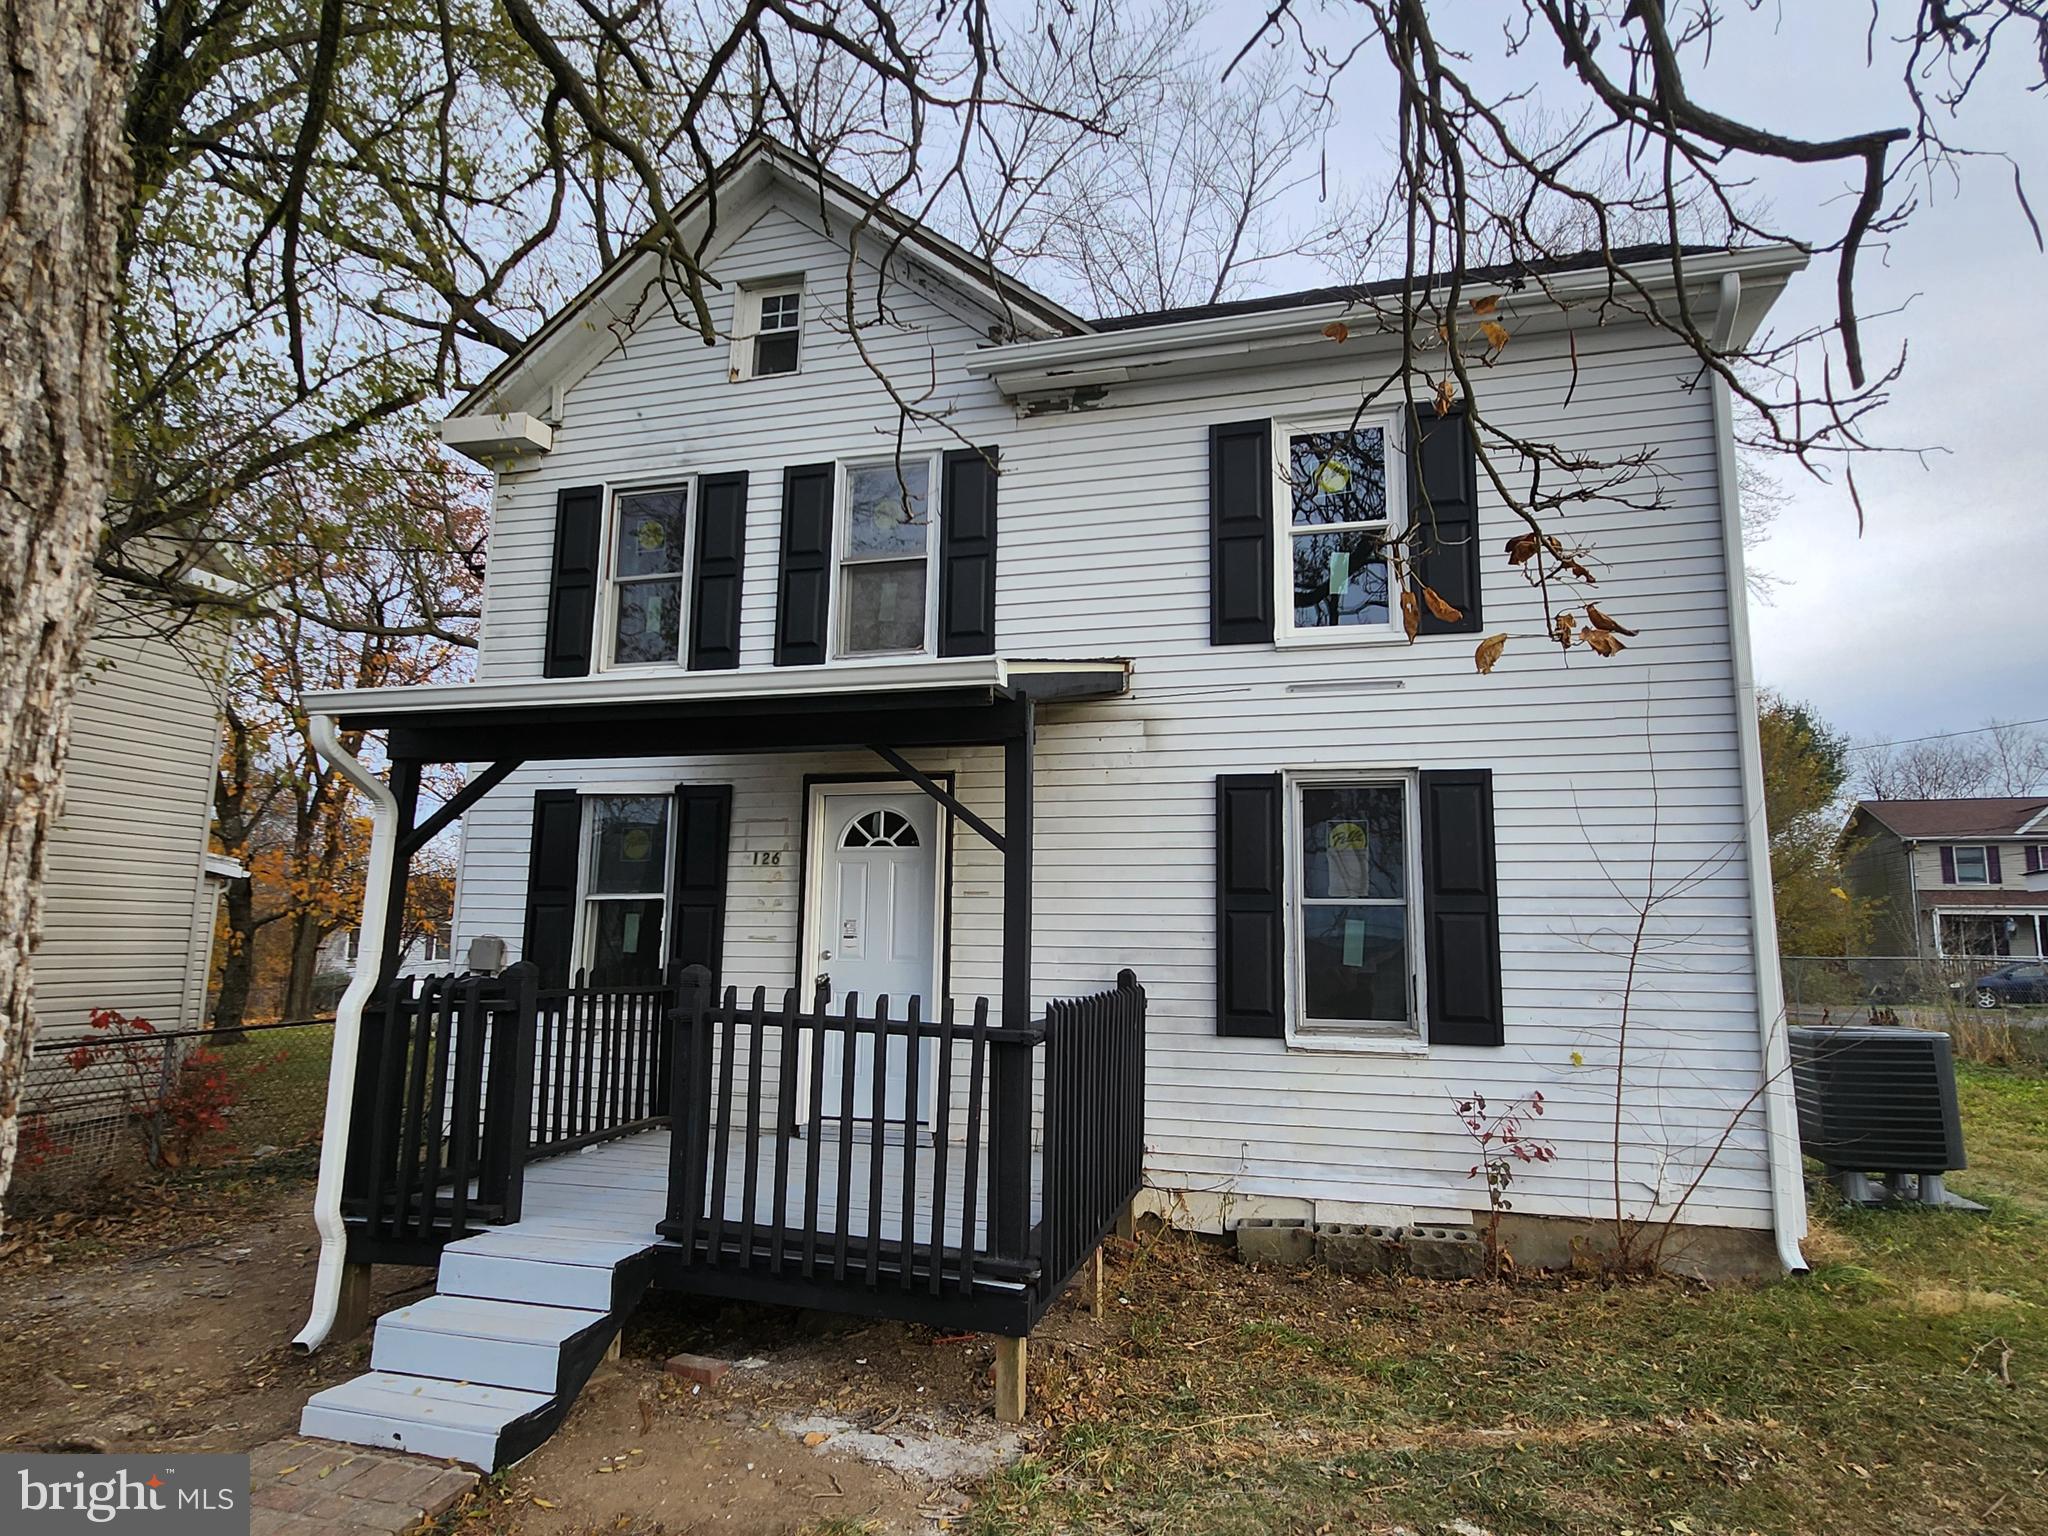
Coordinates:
x,y
1340,502
1973,866
625,879
649,530
773,332
885,558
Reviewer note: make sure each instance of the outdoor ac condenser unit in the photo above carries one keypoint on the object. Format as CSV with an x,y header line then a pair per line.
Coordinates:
x,y
1875,1099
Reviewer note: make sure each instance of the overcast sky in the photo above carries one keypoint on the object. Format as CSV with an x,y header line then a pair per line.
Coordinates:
x,y
1937,617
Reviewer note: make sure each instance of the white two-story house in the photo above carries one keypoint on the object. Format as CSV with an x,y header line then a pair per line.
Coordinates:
x,y
1091,664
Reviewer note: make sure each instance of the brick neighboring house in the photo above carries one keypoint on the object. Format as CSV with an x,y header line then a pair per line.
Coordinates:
x,y
1957,877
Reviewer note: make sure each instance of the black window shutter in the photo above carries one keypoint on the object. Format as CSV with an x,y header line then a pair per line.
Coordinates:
x,y
1948,865
721,559
1249,891
967,553
1461,908
551,884
1241,533
572,591
1443,495
804,594
696,928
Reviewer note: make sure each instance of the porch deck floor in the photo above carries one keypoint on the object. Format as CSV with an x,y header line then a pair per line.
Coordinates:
x,y
617,1191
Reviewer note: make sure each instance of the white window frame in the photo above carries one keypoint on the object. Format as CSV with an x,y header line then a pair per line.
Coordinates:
x,y
1412,1036
842,511
748,304
579,948
1983,853
609,582
1284,432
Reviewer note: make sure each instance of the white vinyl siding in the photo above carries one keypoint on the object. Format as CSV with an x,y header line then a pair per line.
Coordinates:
x,y
127,916
1104,551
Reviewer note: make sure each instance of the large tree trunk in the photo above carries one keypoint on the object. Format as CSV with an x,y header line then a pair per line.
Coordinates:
x,y
64,186
305,960
238,965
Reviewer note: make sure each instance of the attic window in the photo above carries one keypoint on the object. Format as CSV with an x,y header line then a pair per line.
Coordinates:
x,y
777,324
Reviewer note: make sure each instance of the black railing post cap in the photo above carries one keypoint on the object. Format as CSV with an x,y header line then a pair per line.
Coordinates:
x,y
1127,977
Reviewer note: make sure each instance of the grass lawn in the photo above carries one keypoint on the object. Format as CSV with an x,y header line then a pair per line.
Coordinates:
x,y
1900,1386
280,1077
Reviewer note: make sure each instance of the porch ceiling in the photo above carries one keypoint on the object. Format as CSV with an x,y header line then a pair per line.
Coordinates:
x,y
969,701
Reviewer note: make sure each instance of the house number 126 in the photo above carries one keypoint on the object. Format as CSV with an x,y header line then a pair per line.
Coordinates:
x,y
767,856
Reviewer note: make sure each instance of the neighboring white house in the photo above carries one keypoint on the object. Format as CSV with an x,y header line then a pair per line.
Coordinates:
x,y
1359,880
426,955
130,892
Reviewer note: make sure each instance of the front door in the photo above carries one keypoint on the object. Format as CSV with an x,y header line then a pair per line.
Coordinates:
x,y
876,910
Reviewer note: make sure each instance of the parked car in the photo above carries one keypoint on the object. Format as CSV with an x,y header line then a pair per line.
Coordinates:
x,y
2024,981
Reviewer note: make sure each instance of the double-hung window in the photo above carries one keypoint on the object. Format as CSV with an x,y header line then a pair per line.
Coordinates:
x,y
649,536
775,336
1342,503
1973,865
885,538
625,883
1353,906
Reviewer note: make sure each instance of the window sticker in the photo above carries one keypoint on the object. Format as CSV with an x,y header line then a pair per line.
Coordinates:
x,y
630,939
1340,571
637,845
1354,942
1350,868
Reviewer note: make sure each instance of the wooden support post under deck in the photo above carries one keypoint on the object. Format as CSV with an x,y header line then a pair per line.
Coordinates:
x,y
1010,1355
352,1309
1098,1302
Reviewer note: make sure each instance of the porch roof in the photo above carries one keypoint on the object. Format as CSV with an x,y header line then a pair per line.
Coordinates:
x,y
955,701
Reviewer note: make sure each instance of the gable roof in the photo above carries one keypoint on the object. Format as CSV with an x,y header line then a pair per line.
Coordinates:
x,y
1992,816
748,173
1509,275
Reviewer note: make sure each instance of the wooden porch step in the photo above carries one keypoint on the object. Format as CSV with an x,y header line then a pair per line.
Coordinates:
x,y
483,1371
498,1343
459,1421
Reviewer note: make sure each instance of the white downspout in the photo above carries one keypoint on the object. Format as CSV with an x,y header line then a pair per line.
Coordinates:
x,y
348,1023
1781,1124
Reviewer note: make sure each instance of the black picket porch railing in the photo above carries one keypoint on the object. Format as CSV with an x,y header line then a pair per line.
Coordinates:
x,y
444,1080
1094,1119
939,1169
925,1192
600,1063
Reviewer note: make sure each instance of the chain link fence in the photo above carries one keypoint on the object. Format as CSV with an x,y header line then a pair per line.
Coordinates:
x,y
106,1107
1993,1008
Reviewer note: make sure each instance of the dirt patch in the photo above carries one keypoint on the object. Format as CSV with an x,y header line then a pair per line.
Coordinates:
x,y
823,1424
168,1326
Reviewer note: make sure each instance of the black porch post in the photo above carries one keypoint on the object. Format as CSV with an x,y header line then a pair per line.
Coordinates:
x,y
405,789
1010,1081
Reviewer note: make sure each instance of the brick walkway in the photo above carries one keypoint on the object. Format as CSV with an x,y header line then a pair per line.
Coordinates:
x,y
307,1487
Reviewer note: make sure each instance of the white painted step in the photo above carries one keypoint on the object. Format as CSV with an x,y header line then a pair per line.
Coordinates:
x,y
420,1415
467,1339
541,1281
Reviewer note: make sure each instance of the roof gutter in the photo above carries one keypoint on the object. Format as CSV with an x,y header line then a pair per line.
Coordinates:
x,y
348,1027
1101,357
1781,1125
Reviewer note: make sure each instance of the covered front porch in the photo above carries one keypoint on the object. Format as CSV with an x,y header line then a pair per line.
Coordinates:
x,y
914,1157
